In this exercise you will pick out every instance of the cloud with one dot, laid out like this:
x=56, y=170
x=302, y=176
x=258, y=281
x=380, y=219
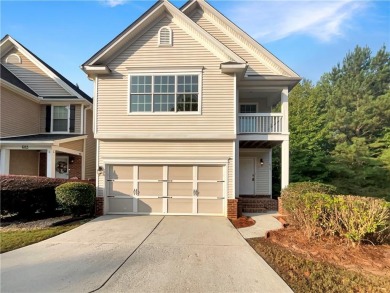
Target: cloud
x=269, y=21
x=113, y=3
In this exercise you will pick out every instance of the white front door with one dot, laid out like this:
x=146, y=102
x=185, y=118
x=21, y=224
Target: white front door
x=62, y=167
x=247, y=176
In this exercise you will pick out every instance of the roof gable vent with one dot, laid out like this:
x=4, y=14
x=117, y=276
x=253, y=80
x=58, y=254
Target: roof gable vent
x=165, y=36
x=13, y=59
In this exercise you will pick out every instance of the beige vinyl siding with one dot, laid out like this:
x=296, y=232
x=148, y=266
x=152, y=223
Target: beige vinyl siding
x=173, y=150
x=77, y=127
x=24, y=162
x=254, y=65
x=19, y=115
x=262, y=173
x=217, y=93
x=33, y=76
x=76, y=145
x=90, y=148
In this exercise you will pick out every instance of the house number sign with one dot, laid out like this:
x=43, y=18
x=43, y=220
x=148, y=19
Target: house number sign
x=25, y=147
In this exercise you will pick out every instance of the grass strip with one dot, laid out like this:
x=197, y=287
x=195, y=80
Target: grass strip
x=11, y=240
x=306, y=275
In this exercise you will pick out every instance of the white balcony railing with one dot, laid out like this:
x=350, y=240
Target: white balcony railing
x=260, y=123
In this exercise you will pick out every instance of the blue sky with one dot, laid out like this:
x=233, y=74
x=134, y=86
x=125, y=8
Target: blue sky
x=309, y=36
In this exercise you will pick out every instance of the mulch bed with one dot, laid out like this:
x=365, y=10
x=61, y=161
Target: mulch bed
x=243, y=222
x=365, y=258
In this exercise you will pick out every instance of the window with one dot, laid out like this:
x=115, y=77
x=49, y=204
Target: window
x=13, y=59
x=248, y=108
x=60, y=118
x=164, y=93
x=165, y=36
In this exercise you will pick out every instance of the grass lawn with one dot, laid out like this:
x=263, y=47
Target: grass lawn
x=308, y=275
x=11, y=240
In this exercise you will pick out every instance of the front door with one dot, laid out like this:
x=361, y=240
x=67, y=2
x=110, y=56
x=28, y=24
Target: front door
x=247, y=176
x=62, y=167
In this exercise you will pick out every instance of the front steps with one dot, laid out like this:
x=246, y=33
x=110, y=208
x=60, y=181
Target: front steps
x=256, y=205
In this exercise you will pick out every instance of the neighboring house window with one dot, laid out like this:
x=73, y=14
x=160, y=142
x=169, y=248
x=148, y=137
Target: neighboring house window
x=164, y=93
x=60, y=118
x=13, y=59
x=165, y=36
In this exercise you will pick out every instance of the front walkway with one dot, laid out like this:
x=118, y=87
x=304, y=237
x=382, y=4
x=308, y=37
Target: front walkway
x=141, y=254
x=264, y=222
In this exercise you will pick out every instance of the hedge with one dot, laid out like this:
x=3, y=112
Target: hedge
x=351, y=217
x=76, y=197
x=25, y=195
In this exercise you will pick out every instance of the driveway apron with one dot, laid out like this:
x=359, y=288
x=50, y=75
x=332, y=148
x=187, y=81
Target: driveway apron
x=142, y=254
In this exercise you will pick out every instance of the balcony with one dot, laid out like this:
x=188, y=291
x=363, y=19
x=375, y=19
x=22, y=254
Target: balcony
x=260, y=123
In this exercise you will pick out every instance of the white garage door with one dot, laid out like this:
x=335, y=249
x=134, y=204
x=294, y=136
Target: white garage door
x=166, y=189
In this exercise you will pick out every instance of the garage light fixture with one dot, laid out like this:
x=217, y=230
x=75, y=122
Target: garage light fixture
x=261, y=162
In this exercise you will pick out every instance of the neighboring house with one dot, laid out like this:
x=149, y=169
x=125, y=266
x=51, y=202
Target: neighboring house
x=46, y=121
x=183, y=114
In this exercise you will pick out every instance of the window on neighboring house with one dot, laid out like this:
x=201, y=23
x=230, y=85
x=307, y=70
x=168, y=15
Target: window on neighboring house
x=164, y=93
x=60, y=118
x=165, y=36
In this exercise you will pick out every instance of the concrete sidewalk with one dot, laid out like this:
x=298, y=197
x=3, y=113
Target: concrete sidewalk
x=141, y=254
x=264, y=222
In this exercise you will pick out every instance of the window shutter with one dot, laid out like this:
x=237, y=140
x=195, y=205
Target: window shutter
x=72, y=118
x=48, y=118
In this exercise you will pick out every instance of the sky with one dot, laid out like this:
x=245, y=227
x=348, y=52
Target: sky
x=310, y=37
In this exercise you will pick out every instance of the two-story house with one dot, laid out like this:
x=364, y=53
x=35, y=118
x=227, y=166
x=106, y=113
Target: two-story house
x=183, y=114
x=46, y=121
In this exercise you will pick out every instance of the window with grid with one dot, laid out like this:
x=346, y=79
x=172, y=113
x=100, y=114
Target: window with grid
x=164, y=93
x=60, y=118
x=248, y=108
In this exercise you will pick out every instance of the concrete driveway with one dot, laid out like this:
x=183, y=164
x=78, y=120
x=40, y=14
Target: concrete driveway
x=141, y=254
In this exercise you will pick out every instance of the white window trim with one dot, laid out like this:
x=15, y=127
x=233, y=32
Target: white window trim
x=165, y=72
x=13, y=54
x=170, y=37
x=52, y=119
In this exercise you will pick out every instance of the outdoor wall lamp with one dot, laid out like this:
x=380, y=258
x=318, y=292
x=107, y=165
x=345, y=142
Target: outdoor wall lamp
x=261, y=162
x=71, y=160
x=100, y=170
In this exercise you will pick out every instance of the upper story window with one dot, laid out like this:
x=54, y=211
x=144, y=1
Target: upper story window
x=165, y=36
x=164, y=93
x=60, y=118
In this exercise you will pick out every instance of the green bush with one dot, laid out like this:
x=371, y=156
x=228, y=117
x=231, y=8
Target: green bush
x=352, y=217
x=77, y=197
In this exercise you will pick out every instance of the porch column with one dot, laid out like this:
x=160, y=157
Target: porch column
x=284, y=109
x=237, y=168
x=51, y=163
x=285, y=163
x=4, y=161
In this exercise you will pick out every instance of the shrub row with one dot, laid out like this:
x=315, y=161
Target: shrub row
x=76, y=197
x=316, y=211
x=25, y=195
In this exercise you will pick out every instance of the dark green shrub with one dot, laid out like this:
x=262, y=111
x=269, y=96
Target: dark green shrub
x=305, y=187
x=77, y=197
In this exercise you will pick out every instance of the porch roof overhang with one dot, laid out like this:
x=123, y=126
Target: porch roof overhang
x=40, y=140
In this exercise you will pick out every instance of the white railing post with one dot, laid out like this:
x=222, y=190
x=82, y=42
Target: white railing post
x=260, y=123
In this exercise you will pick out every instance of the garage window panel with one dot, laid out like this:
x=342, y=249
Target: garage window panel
x=120, y=188
x=121, y=172
x=210, y=189
x=180, y=173
x=150, y=188
x=180, y=189
x=150, y=172
x=210, y=173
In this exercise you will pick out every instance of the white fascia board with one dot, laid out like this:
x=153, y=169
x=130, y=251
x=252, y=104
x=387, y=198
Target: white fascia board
x=166, y=136
x=9, y=143
x=19, y=91
x=63, y=101
x=96, y=69
x=175, y=69
x=233, y=68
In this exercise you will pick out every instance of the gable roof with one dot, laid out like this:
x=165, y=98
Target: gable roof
x=55, y=75
x=251, y=45
x=8, y=76
x=153, y=14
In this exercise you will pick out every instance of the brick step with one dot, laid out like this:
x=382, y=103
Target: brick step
x=254, y=210
x=253, y=205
